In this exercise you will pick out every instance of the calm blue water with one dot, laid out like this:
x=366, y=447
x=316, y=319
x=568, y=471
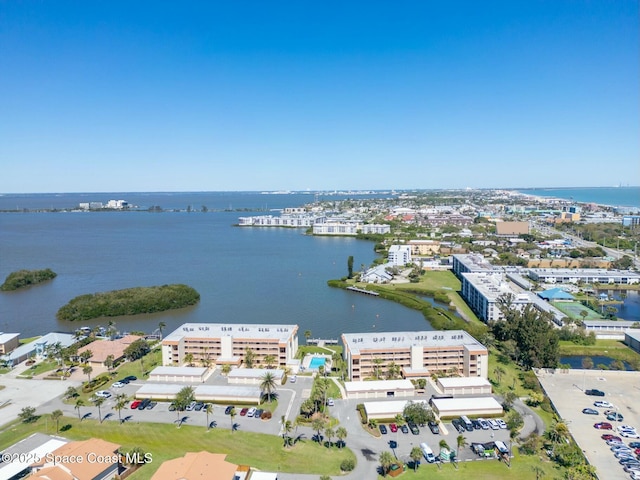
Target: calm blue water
x=317, y=362
x=630, y=309
x=576, y=361
x=614, y=196
x=244, y=275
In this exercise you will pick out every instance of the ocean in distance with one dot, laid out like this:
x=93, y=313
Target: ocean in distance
x=244, y=275
x=612, y=196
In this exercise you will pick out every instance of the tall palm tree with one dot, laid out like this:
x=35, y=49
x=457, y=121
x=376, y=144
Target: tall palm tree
x=226, y=369
x=268, y=384
x=79, y=403
x=341, y=433
x=329, y=432
x=287, y=428
x=55, y=416
x=386, y=460
x=416, y=456
x=318, y=424
x=188, y=358
x=208, y=409
x=307, y=334
x=87, y=369
x=377, y=369
x=269, y=360
x=161, y=327
x=443, y=445
x=232, y=415
x=121, y=402
x=462, y=442
x=98, y=401
x=498, y=372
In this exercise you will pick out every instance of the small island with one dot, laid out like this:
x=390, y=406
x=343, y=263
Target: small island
x=129, y=301
x=26, y=278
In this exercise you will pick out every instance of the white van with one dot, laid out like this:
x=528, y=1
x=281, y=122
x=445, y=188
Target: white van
x=427, y=452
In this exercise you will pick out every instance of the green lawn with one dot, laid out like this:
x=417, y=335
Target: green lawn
x=41, y=367
x=521, y=468
x=509, y=380
x=165, y=441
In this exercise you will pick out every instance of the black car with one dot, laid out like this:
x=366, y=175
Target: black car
x=383, y=429
x=404, y=429
x=227, y=411
x=476, y=424
x=130, y=378
x=458, y=425
x=433, y=426
x=151, y=405
x=393, y=444
x=414, y=428
x=144, y=404
x=594, y=392
x=123, y=380
x=198, y=406
x=258, y=413
x=172, y=407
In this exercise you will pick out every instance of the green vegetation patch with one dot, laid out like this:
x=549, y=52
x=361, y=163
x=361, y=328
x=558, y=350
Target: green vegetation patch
x=26, y=278
x=130, y=301
x=165, y=441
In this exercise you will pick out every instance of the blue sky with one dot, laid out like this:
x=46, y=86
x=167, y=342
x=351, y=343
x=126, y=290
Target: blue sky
x=199, y=96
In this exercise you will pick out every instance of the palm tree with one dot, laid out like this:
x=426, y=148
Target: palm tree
x=329, y=432
x=462, y=442
x=558, y=432
x=377, y=369
x=307, y=334
x=416, y=455
x=317, y=424
x=121, y=402
x=98, y=401
x=111, y=329
x=208, y=409
x=71, y=392
x=249, y=357
x=269, y=360
x=268, y=384
x=161, y=327
x=79, y=403
x=225, y=369
x=87, y=369
x=386, y=460
x=443, y=445
x=287, y=428
x=55, y=416
x=341, y=433
x=498, y=372
x=183, y=398
x=188, y=358
x=108, y=362
x=393, y=370
x=232, y=415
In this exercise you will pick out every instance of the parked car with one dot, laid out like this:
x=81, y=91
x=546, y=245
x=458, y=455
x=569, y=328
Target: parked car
x=393, y=427
x=330, y=402
x=485, y=425
x=191, y=406
x=501, y=423
x=590, y=411
x=603, y=426
x=144, y=404
x=634, y=444
x=595, y=392
x=629, y=434
x=457, y=424
x=615, y=417
x=199, y=406
x=476, y=424
x=227, y=411
x=393, y=444
x=414, y=428
x=135, y=404
x=609, y=436
x=118, y=384
x=602, y=404
x=131, y=378
x=258, y=413
x=244, y=411
x=383, y=429
x=293, y=379
x=151, y=405
x=252, y=411
x=103, y=394
x=433, y=426
x=494, y=424
x=404, y=429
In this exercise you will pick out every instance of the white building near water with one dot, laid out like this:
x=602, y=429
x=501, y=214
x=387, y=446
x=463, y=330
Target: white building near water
x=399, y=255
x=380, y=389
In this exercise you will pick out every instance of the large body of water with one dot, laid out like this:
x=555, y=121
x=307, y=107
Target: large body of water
x=614, y=196
x=244, y=275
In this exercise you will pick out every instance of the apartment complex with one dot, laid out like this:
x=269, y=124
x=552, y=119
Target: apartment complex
x=471, y=262
x=417, y=354
x=481, y=291
x=399, y=255
x=220, y=343
x=584, y=275
x=424, y=247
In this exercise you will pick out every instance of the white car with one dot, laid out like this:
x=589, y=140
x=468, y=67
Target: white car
x=293, y=379
x=501, y=423
x=103, y=394
x=603, y=404
x=629, y=434
x=330, y=402
x=117, y=385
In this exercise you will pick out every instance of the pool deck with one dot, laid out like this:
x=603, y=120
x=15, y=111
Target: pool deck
x=306, y=361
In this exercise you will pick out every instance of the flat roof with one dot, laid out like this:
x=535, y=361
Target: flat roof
x=5, y=337
x=633, y=334
x=465, y=403
x=35, y=446
x=391, y=406
x=492, y=285
x=403, y=340
x=452, y=382
x=254, y=372
x=473, y=262
x=180, y=371
x=584, y=272
x=378, y=385
x=246, y=330
x=221, y=391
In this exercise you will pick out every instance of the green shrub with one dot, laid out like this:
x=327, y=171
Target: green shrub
x=348, y=465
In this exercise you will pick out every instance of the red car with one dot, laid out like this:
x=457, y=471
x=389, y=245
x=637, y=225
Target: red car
x=393, y=427
x=135, y=404
x=608, y=436
x=603, y=426
x=243, y=412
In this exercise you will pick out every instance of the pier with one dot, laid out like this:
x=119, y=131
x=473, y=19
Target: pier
x=361, y=290
x=320, y=342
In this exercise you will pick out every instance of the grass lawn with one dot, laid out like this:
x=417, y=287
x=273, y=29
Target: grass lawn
x=509, y=380
x=521, y=468
x=609, y=348
x=41, y=367
x=165, y=441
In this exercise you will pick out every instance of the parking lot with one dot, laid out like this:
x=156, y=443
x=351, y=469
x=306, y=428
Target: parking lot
x=566, y=391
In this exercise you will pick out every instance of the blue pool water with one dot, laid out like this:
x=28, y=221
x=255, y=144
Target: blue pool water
x=317, y=362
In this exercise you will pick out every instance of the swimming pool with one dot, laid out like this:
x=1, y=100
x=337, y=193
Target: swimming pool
x=317, y=362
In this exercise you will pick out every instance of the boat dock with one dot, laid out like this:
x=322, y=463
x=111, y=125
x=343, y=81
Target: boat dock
x=361, y=290
x=322, y=341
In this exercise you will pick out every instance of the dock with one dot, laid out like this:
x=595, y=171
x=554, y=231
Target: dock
x=322, y=341
x=361, y=290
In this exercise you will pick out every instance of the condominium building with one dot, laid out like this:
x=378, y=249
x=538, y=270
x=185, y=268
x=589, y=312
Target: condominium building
x=471, y=262
x=584, y=275
x=220, y=343
x=417, y=354
x=399, y=255
x=424, y=247
x=481, y=291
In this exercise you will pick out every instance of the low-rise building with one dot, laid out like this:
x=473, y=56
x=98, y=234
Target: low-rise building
x=424, y=247
x=584, y=275
x=399, y=255
x=377, y=274
x=254, y=376
x=470, y=406
x=482, y=291
x=511, y=229
x=37, y=349
x=414, y=354
x=380, y=389
x=464, y=386
x=102, y=349
x=221, y=343
x=9, y=342
x=179, y=374
x=200, y=465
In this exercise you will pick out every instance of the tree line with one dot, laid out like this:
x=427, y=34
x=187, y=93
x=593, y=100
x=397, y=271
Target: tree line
x=129, y=301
